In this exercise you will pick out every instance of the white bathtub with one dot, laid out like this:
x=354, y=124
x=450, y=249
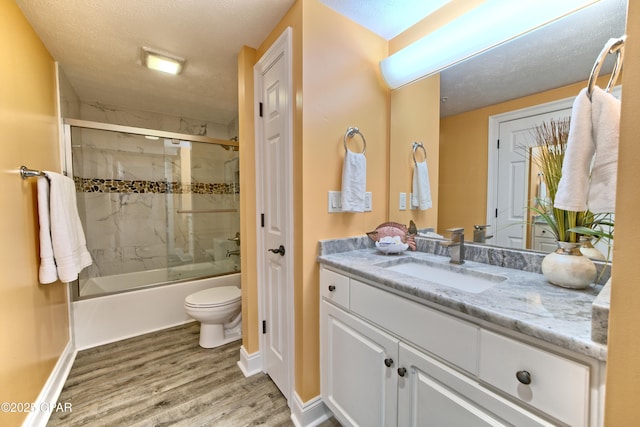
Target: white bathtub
x=114, y=317
x=139, y=279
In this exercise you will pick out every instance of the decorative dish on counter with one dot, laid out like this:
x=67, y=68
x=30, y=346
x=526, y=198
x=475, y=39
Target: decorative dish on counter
x=391, y=245
x=393, y=229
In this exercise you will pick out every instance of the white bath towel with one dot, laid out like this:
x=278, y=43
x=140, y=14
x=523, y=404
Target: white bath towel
x=605, y=113
x=47, y=272
x=573, y=187
x=354, y=182
x=67, y=239
x=421, y=191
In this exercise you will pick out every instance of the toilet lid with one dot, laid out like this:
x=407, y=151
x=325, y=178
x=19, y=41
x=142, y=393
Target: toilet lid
x=213, y=297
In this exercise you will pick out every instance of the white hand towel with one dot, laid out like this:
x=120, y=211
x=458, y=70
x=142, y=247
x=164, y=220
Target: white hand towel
x=605, y=112
x=47, y=272
x=421, y=196
x=354, y=182
x=67, y=236
x=573, y=187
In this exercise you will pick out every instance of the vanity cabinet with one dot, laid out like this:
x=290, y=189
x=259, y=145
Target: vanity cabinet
x=387, y=360
x=542, y=238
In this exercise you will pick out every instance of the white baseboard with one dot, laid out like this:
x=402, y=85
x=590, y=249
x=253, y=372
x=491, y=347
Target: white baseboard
x=309, y=414
x=47, y=401
x=249, y=364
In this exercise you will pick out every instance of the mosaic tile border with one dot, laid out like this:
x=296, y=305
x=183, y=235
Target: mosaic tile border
x=99, y=185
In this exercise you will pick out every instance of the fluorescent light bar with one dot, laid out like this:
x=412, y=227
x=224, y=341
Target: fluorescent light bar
x=162, y=61
x=492, y=23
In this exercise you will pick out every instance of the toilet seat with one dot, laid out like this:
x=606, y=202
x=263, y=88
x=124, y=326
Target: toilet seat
x=214, y=297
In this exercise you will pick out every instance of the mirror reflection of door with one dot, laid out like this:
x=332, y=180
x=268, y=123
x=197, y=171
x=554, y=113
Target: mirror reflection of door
x=514, y=167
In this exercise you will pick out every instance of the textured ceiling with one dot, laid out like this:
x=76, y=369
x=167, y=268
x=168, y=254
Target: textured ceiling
x=97, y=44
x=556, y=55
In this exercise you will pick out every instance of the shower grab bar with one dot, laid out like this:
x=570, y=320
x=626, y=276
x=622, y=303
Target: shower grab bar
x=192, y=211
x=29, y=173
x=613, y=45
x=417, y=145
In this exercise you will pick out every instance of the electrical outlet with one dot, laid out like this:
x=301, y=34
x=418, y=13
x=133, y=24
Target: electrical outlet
x=403, y=201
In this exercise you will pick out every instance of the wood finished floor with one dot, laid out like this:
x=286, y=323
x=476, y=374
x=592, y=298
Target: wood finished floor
x=166, y=379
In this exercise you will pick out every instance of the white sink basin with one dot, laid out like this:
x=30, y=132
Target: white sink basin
x=464, y=280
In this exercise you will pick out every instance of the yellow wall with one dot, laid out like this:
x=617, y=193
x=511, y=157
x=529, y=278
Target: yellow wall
x=415, y=116
x=249, y=281
x=33, y=317
x=623, y=370
x=336, y=75
x=341, y=87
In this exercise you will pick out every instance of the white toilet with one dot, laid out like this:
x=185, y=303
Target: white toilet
x=218, y=311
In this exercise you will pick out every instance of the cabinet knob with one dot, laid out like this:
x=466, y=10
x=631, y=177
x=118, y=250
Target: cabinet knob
x=388, y=362
x=524, y=377
x=402, y=372
x=332, y=288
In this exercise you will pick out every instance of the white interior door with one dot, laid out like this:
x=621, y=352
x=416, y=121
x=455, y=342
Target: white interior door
x=511, y=206
x=275, y=261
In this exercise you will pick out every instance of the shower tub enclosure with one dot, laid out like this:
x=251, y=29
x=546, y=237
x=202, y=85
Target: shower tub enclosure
x=158, y=209
x=153, y=201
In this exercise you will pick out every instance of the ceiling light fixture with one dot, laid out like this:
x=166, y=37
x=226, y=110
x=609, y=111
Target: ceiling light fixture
x=492, y=23
x=161, y=61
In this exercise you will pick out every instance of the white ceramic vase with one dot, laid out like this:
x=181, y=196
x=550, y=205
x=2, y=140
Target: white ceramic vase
x=568, y=268
x=589, y=251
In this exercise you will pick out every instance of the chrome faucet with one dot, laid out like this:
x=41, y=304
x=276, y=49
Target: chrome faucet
x=456, y=245
x=480, y=233
x=236, y=239
x=236, y=251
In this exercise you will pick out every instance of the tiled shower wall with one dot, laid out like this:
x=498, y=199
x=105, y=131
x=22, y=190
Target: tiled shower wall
x=130, y=190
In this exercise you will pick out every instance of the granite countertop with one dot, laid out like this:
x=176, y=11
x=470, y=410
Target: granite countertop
x=524, y=302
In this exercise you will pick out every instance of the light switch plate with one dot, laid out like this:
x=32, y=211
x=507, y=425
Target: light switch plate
x=334, y=201
x=368, y=201
x=403, y=202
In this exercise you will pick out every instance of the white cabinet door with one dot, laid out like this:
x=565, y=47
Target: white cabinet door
x=357, y=385
x=433, y=394
x=426, y=396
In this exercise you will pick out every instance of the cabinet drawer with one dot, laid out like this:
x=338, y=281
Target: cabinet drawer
x=540, y=230
x=334, y=287
x=445, y=336
x=558, y=386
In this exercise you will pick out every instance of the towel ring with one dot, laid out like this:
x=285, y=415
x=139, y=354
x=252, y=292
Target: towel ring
x=350, y=133
x=613, y=45
x=417, y=145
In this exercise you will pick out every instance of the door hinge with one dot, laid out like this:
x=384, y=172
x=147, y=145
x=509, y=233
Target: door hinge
x=260, y=109
x=498, y=140
x=262, y=220
x=264, y=326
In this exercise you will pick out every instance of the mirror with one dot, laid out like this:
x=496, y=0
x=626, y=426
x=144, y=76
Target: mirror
x=546, y=65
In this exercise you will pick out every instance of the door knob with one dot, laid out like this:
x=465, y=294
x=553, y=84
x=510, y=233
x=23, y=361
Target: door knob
x=402, y=372
x=279, y=250
x=388, y=362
